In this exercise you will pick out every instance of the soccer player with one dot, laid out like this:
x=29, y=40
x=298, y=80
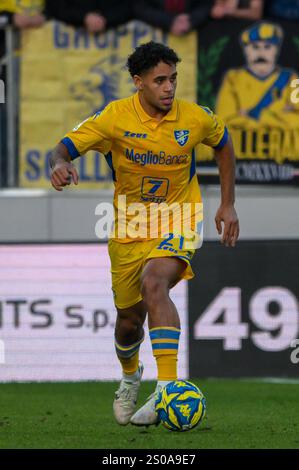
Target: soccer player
x=148, y=140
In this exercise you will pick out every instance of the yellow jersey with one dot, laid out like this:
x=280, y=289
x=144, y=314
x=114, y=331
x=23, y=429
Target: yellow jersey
x=152, y=162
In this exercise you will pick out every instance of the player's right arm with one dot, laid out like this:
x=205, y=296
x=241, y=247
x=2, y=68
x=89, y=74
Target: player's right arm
x=95, y=133
x=62, y=169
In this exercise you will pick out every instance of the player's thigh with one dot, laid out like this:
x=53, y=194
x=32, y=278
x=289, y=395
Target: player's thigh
x=126, y=266
x=163, y=272
x=169, y=260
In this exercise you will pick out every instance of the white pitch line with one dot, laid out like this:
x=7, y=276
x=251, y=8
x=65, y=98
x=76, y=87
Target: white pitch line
x=273, y=380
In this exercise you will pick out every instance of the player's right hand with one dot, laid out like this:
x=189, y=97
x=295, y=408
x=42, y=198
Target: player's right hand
x=62, y=175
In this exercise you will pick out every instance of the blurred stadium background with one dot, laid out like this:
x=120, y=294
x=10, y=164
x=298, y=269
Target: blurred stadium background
x=240, y=315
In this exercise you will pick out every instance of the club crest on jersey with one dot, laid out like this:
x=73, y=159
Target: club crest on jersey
x=181, y=137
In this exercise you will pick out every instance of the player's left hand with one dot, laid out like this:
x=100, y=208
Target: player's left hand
x=227, y=215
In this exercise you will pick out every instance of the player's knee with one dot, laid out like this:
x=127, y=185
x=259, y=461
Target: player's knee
x=153, y=288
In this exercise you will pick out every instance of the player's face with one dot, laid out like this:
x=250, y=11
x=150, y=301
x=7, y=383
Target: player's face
x=157, y=87
x=261, y=57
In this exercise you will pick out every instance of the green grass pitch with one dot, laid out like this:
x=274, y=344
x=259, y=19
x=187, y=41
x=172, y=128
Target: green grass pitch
x=240, y=414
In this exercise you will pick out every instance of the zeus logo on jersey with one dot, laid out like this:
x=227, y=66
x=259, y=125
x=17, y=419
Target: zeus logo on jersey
x=181, y=137
x=135, y=135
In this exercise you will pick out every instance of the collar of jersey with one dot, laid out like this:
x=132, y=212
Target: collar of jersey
x=172, y=115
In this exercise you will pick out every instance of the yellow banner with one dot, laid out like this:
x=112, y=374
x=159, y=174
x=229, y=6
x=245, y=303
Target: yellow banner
x=67, y=75
x=26, y=7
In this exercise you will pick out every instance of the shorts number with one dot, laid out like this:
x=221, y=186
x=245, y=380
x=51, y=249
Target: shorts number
x=167, y=242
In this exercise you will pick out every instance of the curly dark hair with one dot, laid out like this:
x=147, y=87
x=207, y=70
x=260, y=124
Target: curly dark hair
x=149, y=55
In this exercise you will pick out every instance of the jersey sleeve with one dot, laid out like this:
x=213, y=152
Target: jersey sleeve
x=216, y=134
x=95, y=133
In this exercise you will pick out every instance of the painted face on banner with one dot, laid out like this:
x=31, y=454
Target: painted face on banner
x=261, y=57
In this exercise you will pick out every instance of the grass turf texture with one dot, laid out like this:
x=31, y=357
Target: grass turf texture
x=79, y=415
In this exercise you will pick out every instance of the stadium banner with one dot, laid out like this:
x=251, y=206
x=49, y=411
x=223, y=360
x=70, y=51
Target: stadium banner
x=26, y=7
x=57, y=315
x=248, y=74
x=68, y=75
x=244, y=310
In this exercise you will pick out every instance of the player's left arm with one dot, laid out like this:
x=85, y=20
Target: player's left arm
x=217, y=137
x=226, y=218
